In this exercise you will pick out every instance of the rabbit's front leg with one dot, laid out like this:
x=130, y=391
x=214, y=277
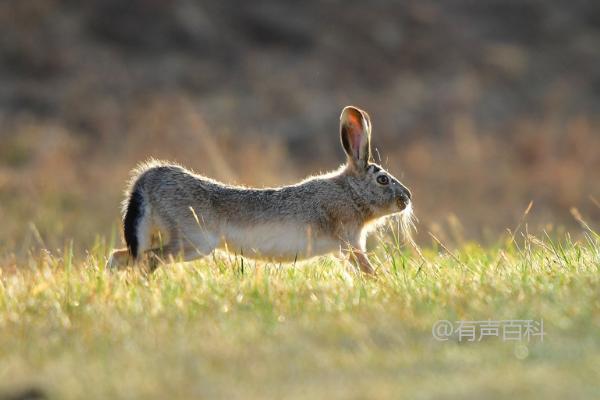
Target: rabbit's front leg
x=363, y=261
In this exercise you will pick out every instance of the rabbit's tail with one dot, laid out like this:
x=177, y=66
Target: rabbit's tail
x=134, y=212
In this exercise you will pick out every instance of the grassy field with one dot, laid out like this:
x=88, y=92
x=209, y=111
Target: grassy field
x=223, y=328
x=478, y=110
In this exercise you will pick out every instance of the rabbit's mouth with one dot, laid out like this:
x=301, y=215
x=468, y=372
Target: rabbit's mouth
x=402, y=203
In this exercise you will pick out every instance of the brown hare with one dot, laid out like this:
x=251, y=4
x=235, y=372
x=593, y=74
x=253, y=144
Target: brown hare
x=192, y=215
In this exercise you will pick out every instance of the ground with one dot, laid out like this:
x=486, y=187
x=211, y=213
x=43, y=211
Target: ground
x=227, y=328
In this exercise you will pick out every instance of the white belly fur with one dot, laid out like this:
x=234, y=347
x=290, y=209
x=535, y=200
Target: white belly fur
x=281, y=242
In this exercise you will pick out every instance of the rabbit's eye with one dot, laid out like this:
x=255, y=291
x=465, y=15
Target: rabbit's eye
x=383, y=180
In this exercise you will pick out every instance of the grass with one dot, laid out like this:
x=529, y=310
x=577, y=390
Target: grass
x=223, y=328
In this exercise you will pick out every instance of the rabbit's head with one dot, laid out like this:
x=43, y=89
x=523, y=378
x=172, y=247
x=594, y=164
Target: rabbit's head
x=377, y=189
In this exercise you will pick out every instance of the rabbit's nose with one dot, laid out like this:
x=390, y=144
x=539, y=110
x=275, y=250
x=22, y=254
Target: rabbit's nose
x=405, y=196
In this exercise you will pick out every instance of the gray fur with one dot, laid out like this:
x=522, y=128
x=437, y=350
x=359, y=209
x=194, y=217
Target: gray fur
x=192, y=214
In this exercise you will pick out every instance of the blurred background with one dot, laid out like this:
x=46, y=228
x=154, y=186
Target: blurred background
x=479, y=107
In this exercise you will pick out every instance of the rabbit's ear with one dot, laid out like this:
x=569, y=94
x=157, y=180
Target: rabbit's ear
x=355, y=133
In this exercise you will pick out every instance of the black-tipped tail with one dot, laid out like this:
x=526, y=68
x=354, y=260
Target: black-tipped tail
x=131, y=221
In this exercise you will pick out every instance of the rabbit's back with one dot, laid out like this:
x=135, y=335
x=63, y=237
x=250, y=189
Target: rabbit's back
x=301, y=214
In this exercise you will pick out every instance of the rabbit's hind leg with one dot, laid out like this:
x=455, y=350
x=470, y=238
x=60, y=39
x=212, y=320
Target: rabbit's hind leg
x=118, y=259
x=180, y=248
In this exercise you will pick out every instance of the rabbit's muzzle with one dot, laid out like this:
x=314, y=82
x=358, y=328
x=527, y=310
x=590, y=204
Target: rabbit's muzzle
x=403, y=198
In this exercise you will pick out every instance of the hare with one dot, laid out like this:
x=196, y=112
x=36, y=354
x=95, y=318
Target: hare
x=192, y=215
